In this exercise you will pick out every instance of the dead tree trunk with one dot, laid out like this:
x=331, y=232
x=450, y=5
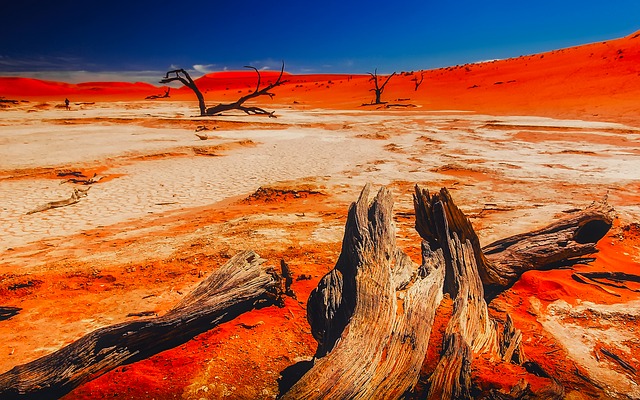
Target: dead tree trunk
x=378, y=305
x=184, y=77
x=562, y=243
x=378, y=90
x=500, y=264
x=238, y=286
x=372, y=314
x=417, y=81
x=470, y=330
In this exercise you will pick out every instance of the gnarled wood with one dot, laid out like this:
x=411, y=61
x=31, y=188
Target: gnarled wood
x=238, y=104
x=183, y=77
x=561, y=243
x=372, y=314
x=238, y=286
x=379, y=307
x=500, y=264
x=470, y=329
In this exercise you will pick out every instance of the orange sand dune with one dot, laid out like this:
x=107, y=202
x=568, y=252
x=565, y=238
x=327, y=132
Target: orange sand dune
x=29, y=88
x=594, y=81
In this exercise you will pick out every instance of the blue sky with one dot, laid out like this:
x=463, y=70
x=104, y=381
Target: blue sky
x=135, y=40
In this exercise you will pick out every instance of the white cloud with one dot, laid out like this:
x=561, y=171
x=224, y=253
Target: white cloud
x=204, y=68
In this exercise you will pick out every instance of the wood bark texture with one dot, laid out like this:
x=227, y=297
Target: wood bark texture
x=564, y=242
x=501, y=263
x=372, y=314
x=238, y=286
x=470, y=329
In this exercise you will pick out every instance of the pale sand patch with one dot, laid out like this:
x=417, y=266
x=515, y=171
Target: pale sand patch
x=533, y=180
x=566, y=324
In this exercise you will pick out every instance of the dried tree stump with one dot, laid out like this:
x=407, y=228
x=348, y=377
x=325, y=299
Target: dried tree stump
x=372, y=314
x=470, y=329
x=501, y=263
x=236, y=287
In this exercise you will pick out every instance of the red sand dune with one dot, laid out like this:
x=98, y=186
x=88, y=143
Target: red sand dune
x=18, y=88
x=594, y=81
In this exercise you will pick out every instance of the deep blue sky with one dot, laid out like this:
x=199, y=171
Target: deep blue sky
x=59, y=38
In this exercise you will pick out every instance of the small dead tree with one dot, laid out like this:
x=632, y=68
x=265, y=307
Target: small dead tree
x=182, y=76
x=378, y=89
x=417, y=81
x=159, y=96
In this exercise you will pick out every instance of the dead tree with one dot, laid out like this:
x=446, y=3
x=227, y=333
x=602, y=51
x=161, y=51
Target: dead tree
x=238, y=286
x=378, y=89
x=372, y=314
x=377, y=304
x=563, y=243
x=238, y=104
x=500, y=264
x=183, y=76
x=417, y=81
x=159, y=96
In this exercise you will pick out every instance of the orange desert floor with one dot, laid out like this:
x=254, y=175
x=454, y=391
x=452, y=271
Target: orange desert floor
x=517, y=142
x=167, y=208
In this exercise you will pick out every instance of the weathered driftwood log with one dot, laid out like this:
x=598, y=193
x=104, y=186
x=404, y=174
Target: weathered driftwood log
x=500, y=264
x=76, y=195
x=238, y=286
x=379, y=307
x=562, y=243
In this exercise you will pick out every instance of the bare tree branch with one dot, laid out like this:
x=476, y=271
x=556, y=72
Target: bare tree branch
x=237, y=105
x=418, y=82
x=188, y=82
x=378, y=89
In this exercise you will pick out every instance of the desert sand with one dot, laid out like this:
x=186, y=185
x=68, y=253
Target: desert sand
x=559, y=131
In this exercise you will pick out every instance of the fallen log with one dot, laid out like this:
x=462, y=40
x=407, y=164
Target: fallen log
x=236, y=287
x=615, y=279
x=501, y=263
x=379, y=307
x=563, y=243
x=76, y=195
x=7, y=312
